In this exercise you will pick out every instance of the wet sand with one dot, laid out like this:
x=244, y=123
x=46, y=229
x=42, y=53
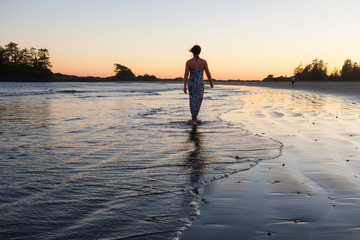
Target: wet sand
x=337, y=88
x=313, y=190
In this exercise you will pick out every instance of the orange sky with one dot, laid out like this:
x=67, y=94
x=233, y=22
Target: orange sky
x=240, y=39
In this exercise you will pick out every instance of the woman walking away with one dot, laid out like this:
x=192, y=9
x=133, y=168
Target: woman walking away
x=196, y=67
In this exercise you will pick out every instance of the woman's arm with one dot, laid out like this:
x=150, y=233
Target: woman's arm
x=186, y=75
x=208, y=74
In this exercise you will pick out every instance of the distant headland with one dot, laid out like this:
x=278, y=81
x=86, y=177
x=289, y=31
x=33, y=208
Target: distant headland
x=33, y=64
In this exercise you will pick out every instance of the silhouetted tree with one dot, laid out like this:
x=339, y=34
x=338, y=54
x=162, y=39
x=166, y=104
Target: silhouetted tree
x=16, y=63
x=350, y=71
x=146, y=77
x=298, y=70
x=2, y=57
x=11, y=53
x=269, y=78
x=33, y=57
x=43, y=58
x=346, y=71
x=316, y=71
x=123, y=73
x=335, y=75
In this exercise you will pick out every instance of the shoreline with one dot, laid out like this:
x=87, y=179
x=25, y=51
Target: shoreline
x=312, y=190
x=328, y=87
x=348, y=88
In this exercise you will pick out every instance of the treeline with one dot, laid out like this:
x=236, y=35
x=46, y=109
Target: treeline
x=123, y=73
x=33, y=64
x=24, y=64
x=317, y=71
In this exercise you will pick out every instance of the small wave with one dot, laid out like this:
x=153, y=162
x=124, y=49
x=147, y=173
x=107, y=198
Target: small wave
x=24, y=93
x=100, y=91
x=72, y=119
x=66, y=91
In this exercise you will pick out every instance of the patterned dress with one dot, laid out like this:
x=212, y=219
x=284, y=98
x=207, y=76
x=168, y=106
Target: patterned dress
x=196, y=91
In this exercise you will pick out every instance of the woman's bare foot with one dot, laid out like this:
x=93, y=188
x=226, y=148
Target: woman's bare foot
x=194, y=122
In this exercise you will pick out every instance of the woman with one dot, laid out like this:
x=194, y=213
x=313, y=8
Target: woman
x=196, y=67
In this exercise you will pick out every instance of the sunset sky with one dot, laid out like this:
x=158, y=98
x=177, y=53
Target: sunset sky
x=240, y=39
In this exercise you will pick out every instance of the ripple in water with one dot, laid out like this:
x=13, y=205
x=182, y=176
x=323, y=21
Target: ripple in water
x=123, y=167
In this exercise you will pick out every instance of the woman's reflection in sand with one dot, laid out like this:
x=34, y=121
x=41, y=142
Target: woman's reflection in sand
x=195, y=161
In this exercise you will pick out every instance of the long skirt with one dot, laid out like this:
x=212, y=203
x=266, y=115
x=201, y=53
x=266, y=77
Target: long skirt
x=196, y=91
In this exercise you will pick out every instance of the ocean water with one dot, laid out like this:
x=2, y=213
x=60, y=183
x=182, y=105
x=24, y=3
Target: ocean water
x=114, y=160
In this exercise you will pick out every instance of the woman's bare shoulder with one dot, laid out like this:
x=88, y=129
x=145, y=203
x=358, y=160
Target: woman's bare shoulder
x=200, y=63
x=202, y=60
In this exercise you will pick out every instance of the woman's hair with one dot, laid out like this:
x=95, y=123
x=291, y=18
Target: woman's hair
x=196, y=49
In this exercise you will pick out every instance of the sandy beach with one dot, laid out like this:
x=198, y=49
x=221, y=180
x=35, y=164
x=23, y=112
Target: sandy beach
x=123, y=161
x=312, y=191
x=336, y=88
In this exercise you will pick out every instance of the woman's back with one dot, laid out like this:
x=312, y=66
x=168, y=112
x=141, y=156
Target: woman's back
x=196, y=63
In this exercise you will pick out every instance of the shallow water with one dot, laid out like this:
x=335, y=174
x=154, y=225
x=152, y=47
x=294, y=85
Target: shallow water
x=114, y=160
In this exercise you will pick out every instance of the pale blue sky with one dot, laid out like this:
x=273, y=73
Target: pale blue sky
x=240, y=39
